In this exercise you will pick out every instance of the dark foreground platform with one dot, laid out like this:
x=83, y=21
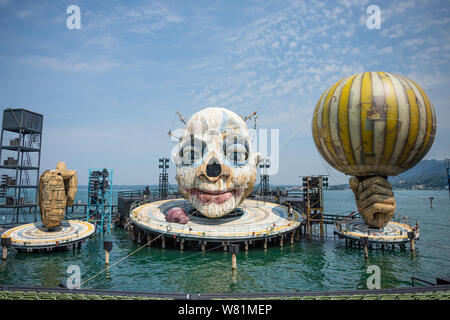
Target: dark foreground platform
x=438, y=292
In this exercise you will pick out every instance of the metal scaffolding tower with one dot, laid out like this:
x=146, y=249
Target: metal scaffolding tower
x=265, y=186
x=313, y=198
x=20, y=156
x=163, y=178
x=100, y=199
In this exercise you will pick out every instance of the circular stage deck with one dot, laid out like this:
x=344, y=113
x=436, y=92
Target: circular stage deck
x=259, y=220
x=394, y=232
x=35, y=236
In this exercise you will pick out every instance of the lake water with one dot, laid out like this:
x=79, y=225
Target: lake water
x=305, y=266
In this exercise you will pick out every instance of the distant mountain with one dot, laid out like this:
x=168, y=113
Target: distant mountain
x=425, y=175
x=422, y=169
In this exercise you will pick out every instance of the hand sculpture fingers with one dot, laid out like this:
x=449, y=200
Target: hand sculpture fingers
x=52, y=199
x=378, y=214
x=374, y=199
x=354, y=183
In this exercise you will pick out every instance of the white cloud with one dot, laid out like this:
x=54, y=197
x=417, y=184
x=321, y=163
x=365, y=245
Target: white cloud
x=386, y=50
x=143, y=19
x=25, y=14
x=68, y=64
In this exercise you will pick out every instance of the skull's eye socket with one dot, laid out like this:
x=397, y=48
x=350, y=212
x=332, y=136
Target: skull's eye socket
x=236, y=152
x=192, y=152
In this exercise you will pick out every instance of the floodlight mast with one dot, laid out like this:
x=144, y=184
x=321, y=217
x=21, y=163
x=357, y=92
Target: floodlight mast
x=181, y=117
x=249, y=117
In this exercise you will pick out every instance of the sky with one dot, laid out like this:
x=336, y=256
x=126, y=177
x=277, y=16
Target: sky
x=109, y=91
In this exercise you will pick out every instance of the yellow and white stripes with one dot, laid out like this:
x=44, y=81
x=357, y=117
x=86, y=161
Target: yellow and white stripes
x=374, y=123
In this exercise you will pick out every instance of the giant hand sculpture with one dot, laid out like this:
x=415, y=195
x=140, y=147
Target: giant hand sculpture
x=57, y=189
x=372, y=125
x=374, y=199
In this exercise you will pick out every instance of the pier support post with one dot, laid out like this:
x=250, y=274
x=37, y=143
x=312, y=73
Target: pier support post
x=163, y=242
x=365, y=243
x=265, y=243
x=281, y=241
x=234, y=249
x=246, y=246
x=6, y=243
x=182, y=244
x=233, y=262
x=411, y=237
x=203, y=245
x=5, y=253
x=139, y=236
x=224, y=246
x=107, y=246
x=149, y=239
x=292, y=237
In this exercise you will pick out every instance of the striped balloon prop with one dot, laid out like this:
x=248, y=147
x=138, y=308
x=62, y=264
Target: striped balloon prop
x=374, y=123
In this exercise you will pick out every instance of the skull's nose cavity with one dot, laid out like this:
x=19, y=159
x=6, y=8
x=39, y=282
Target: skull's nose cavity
x=213, y=169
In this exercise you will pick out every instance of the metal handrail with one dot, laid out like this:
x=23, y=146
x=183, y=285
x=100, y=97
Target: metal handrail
x=421, y=280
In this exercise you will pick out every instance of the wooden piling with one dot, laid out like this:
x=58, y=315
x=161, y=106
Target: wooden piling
x=233, y=262
x=366, y=251
x=246, y=246
x=224, y=246
x=265, y=243
x=5, y=253
x=149, y=239
x=413, y=245
x=182, y=244
x=163, y=242
x=292, y=238
x=203, y=245
x=106, y=257
x=281, y=241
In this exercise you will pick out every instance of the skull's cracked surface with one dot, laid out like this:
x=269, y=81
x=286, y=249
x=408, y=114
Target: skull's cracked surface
x=216, y=167
x=57, y=189
x=374, y=200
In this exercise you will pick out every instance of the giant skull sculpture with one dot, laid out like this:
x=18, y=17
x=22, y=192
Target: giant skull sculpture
x=216, y=168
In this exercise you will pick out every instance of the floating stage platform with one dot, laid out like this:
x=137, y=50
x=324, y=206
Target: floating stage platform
x=393, y=233
x=357, y=232
x=252, y=221
x=36, y=237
